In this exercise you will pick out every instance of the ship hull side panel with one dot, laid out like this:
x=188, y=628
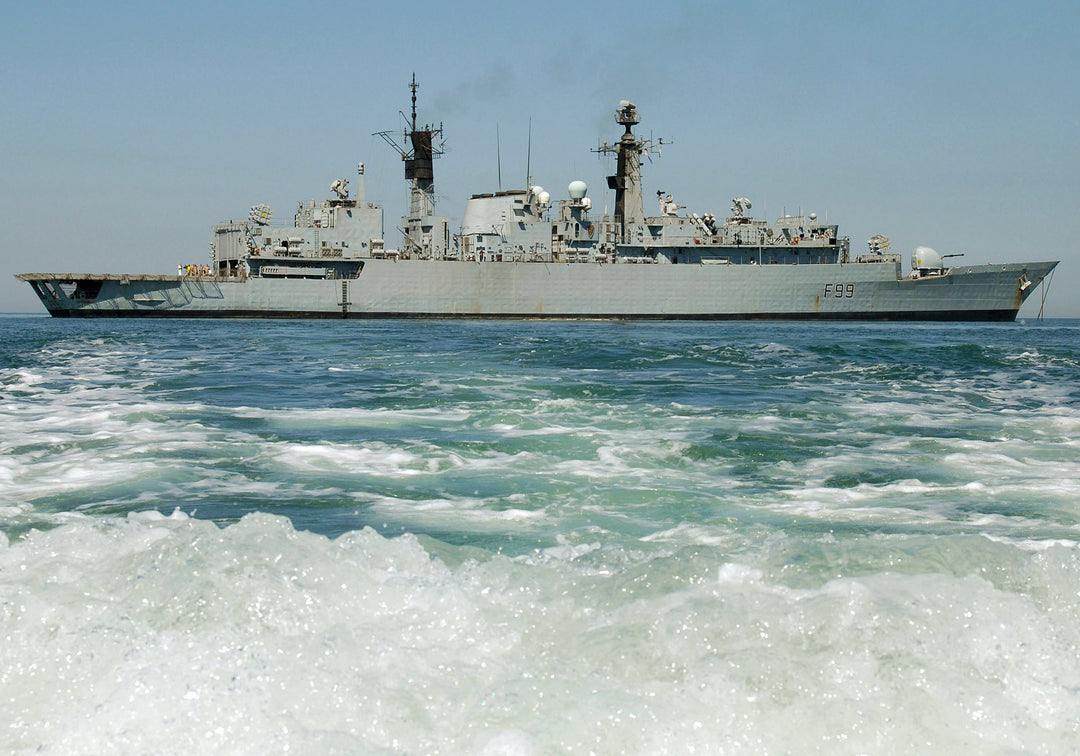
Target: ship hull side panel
x=430, y=288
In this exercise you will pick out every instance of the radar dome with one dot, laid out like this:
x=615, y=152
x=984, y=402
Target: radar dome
x=543, y=197
x=925, y=258
x=577, y=189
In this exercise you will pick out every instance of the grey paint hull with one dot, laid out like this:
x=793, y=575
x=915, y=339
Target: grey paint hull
x=453, y=289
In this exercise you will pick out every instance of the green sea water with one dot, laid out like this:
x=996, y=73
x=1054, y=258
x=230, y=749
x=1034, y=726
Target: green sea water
x=536, y=537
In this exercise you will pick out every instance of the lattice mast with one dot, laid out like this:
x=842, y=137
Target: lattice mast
x=422, y=146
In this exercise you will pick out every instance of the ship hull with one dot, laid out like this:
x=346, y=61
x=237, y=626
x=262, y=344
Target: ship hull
x=453, y=289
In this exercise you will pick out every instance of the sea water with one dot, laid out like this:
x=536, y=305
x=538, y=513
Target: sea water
x=441, y=537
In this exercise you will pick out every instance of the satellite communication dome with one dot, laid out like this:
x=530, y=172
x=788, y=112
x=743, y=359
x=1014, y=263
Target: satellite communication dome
x=577, y=189
x=925, y=258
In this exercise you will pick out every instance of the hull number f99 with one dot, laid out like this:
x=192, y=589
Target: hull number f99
x=840, y=290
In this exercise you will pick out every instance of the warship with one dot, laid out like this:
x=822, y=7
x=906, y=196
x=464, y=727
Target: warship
x=519, y=255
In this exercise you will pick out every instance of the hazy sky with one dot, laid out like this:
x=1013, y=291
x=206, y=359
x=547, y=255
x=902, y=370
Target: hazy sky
x=128, y=129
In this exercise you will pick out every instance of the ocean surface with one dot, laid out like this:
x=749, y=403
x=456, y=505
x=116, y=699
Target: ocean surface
x=443, y=537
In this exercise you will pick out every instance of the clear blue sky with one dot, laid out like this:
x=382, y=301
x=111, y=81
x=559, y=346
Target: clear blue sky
x=128, y=129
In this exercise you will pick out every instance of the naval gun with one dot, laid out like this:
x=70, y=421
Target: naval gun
x=926, y=261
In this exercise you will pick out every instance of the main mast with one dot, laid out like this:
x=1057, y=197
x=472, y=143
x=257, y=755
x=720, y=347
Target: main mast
x=424, y=233
x=419, y=168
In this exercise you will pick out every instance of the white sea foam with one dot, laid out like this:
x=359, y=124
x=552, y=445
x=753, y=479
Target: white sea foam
x=738, y=573
x=353, y=417
x=376, y=458
x=167, y=634
x=465, y=514
x=686, y=533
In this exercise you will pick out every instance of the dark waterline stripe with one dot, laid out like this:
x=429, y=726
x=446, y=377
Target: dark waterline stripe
x=892, y=315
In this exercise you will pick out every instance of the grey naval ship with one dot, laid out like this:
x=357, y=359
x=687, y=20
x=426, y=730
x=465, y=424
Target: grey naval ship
x=519, y=255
